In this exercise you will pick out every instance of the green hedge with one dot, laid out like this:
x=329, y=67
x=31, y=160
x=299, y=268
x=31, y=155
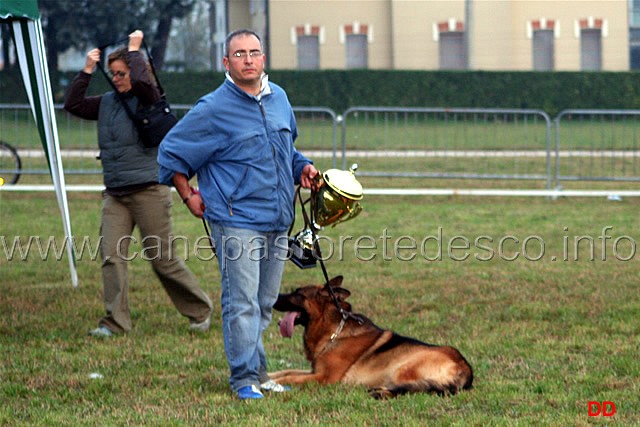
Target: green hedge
x=550, y=92
x=339, y=90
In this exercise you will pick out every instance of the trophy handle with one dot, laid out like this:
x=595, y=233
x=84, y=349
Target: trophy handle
x=352, y=214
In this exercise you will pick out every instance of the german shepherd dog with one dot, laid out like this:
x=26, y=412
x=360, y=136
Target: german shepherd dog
x=346, y=347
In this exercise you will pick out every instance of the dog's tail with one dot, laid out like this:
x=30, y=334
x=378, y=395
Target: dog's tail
x=468, y=384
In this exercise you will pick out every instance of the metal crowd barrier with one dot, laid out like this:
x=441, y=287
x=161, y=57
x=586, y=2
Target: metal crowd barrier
x=402, y=144
x=449, y=143
x=597, y=145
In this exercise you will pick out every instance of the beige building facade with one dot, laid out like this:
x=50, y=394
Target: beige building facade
x=559, y=35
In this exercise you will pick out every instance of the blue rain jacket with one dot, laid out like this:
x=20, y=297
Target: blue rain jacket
x=241, y=149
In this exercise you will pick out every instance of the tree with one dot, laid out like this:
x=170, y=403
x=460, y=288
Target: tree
x=82, y=24
x=190, y=39
x=5, y=33
x=57, y=27
x=167, y=10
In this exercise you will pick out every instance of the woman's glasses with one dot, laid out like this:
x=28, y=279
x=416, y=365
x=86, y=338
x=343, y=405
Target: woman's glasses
x=118, y=74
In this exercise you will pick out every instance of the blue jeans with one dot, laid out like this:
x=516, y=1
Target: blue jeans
x=251, y=265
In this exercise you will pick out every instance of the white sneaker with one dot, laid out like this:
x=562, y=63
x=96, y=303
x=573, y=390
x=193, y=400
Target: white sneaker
x=271, y=385
x=202, y=326
x=101, y=332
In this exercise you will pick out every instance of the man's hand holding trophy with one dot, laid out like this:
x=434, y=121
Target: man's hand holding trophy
x=335, y=199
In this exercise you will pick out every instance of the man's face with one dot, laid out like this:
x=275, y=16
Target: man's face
x=245, y=62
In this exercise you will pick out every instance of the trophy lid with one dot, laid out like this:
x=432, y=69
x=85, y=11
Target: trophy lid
x=344, y=182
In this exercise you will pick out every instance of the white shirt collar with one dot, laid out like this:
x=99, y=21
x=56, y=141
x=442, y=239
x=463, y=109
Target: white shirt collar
x=265, y=89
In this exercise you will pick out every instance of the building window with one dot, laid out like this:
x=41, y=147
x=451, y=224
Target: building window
x=542, y=33
x=451, y=45
x=591, y=50
x=634, y=35
x=634, y=16
x=543, y=50
x=308, y=52
x=591, y=31
x=308, y=39
x=356, y=38
x=357, y=51
x=634, y=48
x=451, y=51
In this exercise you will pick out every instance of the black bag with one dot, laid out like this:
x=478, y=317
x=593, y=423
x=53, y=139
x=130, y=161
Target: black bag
x=154, y=122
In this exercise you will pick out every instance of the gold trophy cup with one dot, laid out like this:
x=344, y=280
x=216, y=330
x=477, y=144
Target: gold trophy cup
x=336, y=200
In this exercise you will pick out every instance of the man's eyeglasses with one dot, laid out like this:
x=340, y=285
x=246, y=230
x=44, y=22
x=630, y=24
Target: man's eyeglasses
x=118, y=74
x=243, y=54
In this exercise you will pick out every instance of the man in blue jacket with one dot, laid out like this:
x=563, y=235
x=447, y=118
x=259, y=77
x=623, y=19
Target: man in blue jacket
x=239, y=139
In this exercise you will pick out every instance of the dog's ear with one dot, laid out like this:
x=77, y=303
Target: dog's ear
x=335, y=282
x=335, y=285
x=341, y=293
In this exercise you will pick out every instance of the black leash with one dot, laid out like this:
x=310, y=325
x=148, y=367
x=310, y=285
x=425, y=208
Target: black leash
x=317, y=253
x=122, y=40
x=206, y=230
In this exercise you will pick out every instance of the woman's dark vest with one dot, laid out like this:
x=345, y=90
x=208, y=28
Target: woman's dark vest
x=125, y=161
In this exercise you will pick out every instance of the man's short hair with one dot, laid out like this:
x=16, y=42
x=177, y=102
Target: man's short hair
x=237, y=33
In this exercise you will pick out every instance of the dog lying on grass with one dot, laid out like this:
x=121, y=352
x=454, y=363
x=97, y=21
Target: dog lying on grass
x=349, y=348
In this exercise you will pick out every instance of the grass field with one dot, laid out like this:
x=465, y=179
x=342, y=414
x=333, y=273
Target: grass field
x=547, y=325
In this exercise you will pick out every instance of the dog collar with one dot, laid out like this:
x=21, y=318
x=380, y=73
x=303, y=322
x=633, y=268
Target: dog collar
x=338, y=330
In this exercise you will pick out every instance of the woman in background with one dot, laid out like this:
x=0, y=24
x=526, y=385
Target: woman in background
x=133, y=195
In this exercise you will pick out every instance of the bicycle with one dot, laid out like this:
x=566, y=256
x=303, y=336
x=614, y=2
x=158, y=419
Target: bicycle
x=10, y=164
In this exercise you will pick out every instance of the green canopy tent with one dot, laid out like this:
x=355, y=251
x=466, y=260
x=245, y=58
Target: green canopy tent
x=26, y=28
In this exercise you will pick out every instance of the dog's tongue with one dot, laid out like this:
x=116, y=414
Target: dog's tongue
x=287, y=323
